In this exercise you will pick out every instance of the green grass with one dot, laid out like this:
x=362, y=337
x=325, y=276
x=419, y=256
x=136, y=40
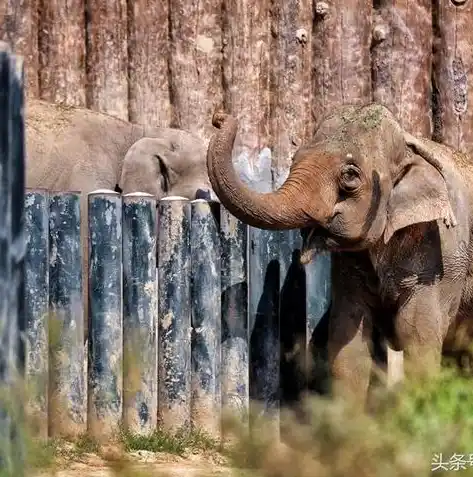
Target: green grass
x=163, y=441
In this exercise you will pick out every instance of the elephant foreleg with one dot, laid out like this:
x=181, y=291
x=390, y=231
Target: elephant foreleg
x=349, y=352
x=350, y=330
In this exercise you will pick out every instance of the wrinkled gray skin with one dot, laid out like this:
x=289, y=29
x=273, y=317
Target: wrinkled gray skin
x=74, y=149
x=396, y=211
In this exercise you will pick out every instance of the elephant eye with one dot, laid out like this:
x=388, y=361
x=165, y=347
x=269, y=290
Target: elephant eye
x=164, y=179
x=350, y=178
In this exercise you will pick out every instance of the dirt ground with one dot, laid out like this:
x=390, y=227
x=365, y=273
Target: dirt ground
x=149, y=463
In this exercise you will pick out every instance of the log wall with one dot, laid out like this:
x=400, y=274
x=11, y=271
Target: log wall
x=278, y=65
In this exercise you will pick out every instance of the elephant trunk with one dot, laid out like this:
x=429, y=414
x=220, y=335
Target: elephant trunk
x=277, y=210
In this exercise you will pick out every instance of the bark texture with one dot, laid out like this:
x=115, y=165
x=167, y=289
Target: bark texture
x=402, y=60
x=107, y=63
x=19, y=27
x=246, y=43
x=195, y=64
x=148, y=48
x=62, y=51
x=452, y=74
x=290, y=81
x=341, y=54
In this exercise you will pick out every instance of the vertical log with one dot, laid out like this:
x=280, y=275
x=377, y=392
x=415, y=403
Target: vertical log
x=140, y=397
x=318, y=297
x=5, y=264
x=341, y=54
x=293, y=317
x=206, y=317
x=105, y=377
x=37, y=305
x=148, y=52
x=402, y=60
x=318, y=289
x=263, y=304
x=12, y=253
x=107, y=62
x=291, y=50
x=195, y=64
x=19, y=27
x=235, y=345
x=62, y=51
x=174, y=314
x=246, y=32
x=17, y=257
x=67, y=405
x=453, y=69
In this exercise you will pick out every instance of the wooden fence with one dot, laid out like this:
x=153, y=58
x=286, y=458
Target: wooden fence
x=277, y=65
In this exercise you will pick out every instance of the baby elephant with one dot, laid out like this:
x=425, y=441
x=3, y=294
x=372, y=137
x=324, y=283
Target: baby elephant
x=75, y=149
x=81, y=150
x=395, y=211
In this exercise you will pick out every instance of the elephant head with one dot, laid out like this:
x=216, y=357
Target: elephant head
x=356, y=182
x=172, y=164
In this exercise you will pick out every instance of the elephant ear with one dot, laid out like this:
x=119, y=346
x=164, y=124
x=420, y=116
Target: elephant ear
x=419, y=195
x=145, y=168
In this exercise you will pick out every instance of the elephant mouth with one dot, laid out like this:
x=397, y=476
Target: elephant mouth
x=314, y=242
x=318, y=240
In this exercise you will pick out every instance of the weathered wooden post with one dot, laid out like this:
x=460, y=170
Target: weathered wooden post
x=105, y=377
x=318, y=297
x=293, y=316
x=67, y=394
x=206, y=317
x=235, y=344
x=37, y=305
x=174, y=314
x=264, y=321
x=5, y=269
x=139, y=313
x=12, y=254
x=263, y=300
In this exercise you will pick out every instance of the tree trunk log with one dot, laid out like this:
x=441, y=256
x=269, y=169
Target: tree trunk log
x=107, y=62
x=246, y=31
x=402, y=61
x=62, y=51
x=291, y=118
x=148, y=48
x=19, y=27
x=453, y=63
x=196, y=64
x=341, y=54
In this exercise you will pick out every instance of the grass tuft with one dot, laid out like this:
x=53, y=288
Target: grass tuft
x=163, y=441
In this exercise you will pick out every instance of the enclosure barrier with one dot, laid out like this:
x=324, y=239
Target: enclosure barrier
x=185, y=306
x=168, y=346
x=12, y=254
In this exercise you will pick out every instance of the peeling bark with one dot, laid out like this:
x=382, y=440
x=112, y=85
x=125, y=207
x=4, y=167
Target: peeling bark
x=291, y=118
x=148, y=62
x=341, y=54
x=402, y=60
x=107, y=68
x=196, y=64
x=62, y=51
x=246, y=31
x=19, y=27
x=453, y=67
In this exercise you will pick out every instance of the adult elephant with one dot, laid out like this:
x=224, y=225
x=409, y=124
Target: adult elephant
x=76, y=149
x=395, y=210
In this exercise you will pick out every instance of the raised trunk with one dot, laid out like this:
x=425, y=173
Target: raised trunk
x=276, y=210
